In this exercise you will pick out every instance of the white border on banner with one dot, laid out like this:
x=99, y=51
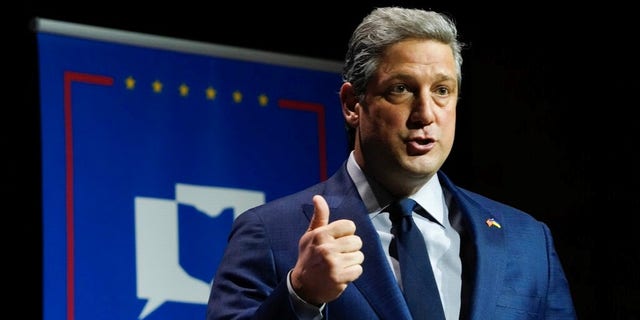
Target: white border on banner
x=183, y=45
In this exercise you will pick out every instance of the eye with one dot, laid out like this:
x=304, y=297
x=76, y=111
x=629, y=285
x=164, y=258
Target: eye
x=398, y=93
x=398, y=88
x=442, y=91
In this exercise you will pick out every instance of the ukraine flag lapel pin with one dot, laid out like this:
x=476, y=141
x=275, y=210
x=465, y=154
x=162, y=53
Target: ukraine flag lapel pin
x=493, y=223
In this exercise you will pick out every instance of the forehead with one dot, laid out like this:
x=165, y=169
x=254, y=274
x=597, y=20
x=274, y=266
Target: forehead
x=417, y=58
x=418, y=51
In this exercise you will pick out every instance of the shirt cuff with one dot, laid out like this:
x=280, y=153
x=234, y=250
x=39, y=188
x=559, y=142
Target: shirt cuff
x=303, y=309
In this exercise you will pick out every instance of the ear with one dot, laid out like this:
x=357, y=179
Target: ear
x=349, y=102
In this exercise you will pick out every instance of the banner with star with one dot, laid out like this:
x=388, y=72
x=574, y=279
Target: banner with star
x=151, y=146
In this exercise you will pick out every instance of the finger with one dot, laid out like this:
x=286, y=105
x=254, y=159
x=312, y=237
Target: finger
x=320, y=213
x=352, y=258
x=342, y=228
x=352, y=273
x=350, y=243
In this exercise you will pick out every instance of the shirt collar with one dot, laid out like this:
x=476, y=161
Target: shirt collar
x=430, y=196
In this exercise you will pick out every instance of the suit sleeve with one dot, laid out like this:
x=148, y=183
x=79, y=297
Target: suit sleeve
x=247, y=284
x=559, y=304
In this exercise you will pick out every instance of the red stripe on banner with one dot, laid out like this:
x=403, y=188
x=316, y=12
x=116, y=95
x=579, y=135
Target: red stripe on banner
x=322, y=139
x=69, y=78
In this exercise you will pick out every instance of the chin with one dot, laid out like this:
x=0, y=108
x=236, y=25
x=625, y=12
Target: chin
x=422, y=167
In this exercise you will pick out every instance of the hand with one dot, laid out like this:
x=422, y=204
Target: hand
x=329, y=257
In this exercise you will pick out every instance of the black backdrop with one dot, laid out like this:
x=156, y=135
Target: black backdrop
x=546, y=118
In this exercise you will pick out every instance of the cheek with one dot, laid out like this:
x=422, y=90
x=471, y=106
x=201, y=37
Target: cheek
x=389, y=118
x=378, y=128
x=448, y=124
x=449, y=119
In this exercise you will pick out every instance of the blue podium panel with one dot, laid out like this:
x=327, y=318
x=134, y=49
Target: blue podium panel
x=149, y=153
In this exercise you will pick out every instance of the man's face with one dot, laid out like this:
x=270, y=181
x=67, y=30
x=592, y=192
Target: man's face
x=406, y=123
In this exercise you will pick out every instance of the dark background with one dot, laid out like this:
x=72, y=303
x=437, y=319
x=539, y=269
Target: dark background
x=546, y=119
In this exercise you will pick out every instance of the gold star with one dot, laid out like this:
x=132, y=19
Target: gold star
x=130, y=83
x=237, y=96
x=210, y=93
x=157, y=86
x=263, y=100
x=184, y=90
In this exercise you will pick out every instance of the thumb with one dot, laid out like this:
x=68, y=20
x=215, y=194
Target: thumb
x=320, y=213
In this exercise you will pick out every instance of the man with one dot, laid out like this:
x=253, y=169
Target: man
x=326, y=252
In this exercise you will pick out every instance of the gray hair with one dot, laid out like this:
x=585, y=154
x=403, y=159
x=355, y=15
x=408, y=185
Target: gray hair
x=384, y=27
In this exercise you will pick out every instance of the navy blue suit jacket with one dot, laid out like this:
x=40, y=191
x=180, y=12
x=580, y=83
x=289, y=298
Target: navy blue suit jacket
x=512, y=272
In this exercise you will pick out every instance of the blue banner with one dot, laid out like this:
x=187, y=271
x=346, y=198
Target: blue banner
x=149, y=154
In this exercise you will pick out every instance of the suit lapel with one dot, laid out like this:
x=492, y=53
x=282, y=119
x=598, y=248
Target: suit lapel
x=377, y=284
x=489, y=244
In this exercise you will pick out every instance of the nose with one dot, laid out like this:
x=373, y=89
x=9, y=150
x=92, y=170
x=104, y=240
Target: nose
x=422, y=111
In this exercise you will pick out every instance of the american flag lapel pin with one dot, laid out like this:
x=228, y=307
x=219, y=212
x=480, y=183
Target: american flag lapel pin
x=493, y=223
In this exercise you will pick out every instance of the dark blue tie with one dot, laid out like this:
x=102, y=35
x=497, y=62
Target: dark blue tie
x=418, y=283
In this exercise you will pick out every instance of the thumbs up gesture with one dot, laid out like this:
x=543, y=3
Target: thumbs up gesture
x=329, y=257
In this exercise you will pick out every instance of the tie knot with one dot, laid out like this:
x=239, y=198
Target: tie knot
x=401, y=208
